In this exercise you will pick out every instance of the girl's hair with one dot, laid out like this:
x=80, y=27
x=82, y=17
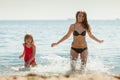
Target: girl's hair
x=85, y=22
x=27, y=36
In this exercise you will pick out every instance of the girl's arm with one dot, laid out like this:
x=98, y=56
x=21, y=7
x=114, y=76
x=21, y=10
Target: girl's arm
x=22, y=55
x=33, y=54
x=64, y=37
x=92, y=36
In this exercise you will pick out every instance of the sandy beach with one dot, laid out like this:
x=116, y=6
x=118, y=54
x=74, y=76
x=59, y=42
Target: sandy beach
x=98, y=76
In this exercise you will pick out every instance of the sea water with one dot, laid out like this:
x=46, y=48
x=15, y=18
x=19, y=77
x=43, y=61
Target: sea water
x=103, y=57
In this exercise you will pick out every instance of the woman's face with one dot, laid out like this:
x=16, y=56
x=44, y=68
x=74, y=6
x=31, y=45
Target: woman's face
x=80, y=17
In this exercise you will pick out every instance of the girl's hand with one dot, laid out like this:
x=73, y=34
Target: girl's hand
x=20, y=56
x=53, y=44
x=101, y=41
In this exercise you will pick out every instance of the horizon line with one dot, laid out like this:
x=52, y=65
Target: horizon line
x=49, y=19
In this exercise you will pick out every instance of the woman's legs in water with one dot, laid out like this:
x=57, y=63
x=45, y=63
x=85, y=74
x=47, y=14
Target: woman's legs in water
x=83, y=57
x=73, y=58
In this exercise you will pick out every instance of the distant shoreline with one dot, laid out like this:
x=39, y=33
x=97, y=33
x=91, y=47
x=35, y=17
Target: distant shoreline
x=69, y=19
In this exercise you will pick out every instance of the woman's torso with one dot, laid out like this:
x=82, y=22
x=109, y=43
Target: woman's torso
x=79, y=34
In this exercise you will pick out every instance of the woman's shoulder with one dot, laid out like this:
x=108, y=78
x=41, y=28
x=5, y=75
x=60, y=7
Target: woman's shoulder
x=72, y=26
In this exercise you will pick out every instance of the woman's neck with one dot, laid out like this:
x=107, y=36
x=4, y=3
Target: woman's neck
x=79, y=24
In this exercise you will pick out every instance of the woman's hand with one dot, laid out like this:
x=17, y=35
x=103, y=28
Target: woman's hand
x=53, y=44
x=101, y=41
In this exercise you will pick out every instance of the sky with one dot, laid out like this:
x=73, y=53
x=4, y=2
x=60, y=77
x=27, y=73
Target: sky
x=58, y=9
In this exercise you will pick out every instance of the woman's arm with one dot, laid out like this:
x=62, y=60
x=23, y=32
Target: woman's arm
x=71, y=28
x=92, y=36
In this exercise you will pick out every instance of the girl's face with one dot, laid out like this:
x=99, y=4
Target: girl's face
x=80, y=17
x=28, y=40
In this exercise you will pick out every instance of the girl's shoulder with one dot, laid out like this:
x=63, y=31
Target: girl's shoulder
x=24, y=44
x=33, y=45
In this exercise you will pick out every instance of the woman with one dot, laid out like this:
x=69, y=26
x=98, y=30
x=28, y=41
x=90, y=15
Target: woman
x=79, y=44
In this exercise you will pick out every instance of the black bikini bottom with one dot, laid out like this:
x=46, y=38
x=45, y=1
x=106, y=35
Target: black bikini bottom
x=79, y=50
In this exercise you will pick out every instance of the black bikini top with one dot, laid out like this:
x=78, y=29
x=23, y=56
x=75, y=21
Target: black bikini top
x=75, y=33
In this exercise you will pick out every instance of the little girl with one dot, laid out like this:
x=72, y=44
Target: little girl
x=29, y=51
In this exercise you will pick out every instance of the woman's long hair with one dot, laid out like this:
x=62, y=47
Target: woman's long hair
x=85, y=22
